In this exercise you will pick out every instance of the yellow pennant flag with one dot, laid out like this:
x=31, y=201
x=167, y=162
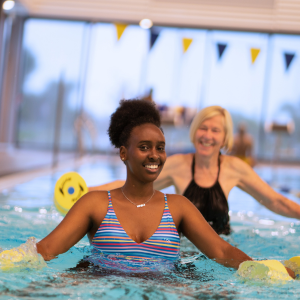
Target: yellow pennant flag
x=120, y=29
x=254, y=54
x=186, y=43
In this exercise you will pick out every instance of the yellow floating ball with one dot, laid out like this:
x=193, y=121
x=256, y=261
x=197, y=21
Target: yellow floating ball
x=264, y=270
x=69, y=188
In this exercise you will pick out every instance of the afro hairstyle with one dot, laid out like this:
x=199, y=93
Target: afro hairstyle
x=129, y=114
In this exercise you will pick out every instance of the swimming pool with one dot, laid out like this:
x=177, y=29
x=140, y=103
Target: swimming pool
x=27, y=210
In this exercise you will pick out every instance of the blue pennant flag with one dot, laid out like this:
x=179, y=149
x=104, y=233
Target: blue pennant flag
x=221, y=49
x=288, y=59
x=154, y=33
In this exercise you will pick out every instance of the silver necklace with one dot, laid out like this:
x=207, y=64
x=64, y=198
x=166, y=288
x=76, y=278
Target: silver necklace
x=138, y=205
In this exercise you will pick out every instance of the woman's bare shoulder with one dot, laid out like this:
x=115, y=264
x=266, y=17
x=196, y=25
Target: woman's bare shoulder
x=179, y=159
x=177, y=200
x=89, y=205
x=95, y=198
x=97, y=194
x=231, y=163
x=181, y=207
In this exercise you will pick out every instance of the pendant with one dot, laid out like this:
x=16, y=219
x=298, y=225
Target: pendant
x=140, y=205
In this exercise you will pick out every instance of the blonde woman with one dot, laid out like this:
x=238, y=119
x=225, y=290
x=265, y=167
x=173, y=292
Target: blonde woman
x=206, y=177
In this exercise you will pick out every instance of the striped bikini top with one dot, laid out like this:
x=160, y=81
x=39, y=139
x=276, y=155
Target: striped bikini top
x=111, y=238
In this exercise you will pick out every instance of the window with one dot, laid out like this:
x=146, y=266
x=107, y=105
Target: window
x=52, y=55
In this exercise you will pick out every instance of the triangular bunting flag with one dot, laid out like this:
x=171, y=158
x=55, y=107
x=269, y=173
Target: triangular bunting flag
x=288, y=59
x=153, y=36
x=254, y=54
x=221, y=49
x=120, y=29
x=186, y=43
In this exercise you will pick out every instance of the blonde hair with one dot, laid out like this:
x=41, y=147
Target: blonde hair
x=209, y=112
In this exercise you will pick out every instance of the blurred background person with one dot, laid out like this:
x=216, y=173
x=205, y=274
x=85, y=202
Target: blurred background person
x=243, y=145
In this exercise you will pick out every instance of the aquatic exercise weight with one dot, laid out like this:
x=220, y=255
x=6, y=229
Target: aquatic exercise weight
x=294, y=264
x=271, y=270
x=69, y=188
x=24, y=256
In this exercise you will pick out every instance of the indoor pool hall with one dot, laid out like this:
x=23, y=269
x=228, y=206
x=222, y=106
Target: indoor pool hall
x=149, y=149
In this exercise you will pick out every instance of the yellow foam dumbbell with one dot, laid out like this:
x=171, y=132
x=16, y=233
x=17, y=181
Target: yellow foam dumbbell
x=23, y=256
x=264, y=270
x=294, y=264
x=69, y=188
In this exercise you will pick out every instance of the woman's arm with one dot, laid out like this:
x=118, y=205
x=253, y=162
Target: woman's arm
x=76, y=224
x=200, y=233
x=252, y=184
x=176, y=172
x=164, y=180
x=108, y=186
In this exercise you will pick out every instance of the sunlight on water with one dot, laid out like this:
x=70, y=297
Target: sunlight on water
x=28, y=211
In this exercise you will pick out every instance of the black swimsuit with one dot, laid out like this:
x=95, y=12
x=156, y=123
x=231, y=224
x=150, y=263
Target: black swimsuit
x=211, y=202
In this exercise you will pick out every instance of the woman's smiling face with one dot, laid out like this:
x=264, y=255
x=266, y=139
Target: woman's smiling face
x=145, y=154
x=209, y=137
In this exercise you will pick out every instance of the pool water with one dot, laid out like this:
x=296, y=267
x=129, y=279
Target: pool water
x=27, y=210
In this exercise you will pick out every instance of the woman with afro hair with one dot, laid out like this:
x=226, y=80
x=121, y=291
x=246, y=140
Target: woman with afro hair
x=136, y=221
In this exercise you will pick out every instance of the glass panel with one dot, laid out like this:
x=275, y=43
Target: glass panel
x=115, y=72
x=175, y=77
x=52, y=54
x=234, y=82
x=283, y=99
x=5, y=36
x=181, y=82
